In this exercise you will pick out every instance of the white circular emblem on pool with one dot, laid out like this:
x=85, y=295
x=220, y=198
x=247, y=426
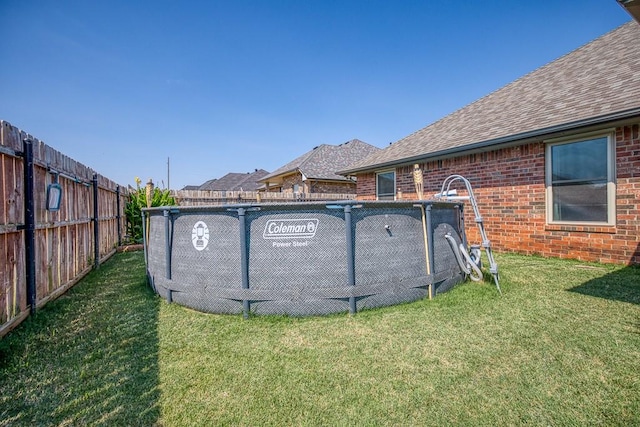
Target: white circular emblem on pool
x=200, y=235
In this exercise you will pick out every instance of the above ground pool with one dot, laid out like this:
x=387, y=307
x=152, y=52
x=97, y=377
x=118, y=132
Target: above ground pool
x=305, y=258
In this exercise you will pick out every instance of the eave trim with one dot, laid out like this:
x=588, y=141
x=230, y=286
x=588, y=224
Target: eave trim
x=570, y=126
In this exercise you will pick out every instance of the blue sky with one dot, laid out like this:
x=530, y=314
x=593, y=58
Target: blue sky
x=232, y=86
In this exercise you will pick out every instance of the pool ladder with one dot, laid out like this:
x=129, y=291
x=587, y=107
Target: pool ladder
x=448, y=194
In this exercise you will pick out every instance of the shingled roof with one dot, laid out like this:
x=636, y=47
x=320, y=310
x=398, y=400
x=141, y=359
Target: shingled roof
x=236, y=181
x=323, y=161
x=596, y=83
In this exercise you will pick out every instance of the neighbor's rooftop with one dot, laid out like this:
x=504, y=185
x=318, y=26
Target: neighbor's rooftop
x=324, y=160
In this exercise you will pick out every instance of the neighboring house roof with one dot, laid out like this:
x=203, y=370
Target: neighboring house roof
x=236, y=181
x=323, y=161
x=207, y=184
x=191, y=187
x=597, y=83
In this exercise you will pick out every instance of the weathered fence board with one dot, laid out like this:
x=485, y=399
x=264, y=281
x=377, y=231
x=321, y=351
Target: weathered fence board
x=13, y=295
x=12, y=185
x=65, y=246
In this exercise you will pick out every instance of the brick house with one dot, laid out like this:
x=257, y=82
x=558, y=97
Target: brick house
x=553, y=157
x=315, y=171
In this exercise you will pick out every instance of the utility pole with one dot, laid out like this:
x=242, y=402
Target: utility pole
x=168, y=175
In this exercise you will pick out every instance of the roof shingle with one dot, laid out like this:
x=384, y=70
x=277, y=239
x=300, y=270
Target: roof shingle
x=235, y=181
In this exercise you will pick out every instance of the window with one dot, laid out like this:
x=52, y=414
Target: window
x=580, y=180
x=386, y=185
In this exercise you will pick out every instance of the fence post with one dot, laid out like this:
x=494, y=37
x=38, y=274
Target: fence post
x=118, y=215
x=29, y=225
x=96, y=230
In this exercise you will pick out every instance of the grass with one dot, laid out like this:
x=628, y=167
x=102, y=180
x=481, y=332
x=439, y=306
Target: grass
x=559, y=347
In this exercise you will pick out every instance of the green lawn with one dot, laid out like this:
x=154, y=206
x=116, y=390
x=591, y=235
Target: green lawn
x=561, y=346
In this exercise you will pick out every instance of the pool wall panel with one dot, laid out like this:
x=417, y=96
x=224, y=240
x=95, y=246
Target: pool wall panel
x=290, y=264
x=300, y=258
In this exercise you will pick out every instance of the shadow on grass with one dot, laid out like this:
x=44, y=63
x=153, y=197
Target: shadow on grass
x=90, y=357
x=620, y=285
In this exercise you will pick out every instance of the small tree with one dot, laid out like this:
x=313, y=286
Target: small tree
x=142, y=197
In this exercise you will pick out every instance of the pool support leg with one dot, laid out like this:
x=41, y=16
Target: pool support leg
x=144, y=237
x=430, y=255
x=167, y=245
x=167, y=251
x=244, y=259
x=351, y=263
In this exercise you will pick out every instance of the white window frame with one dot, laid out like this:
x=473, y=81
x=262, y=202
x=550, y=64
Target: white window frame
x=392, y=196
x=611, y=176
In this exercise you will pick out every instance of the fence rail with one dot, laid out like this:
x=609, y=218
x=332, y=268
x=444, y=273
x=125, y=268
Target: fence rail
x=207, y=197
x=45, y=252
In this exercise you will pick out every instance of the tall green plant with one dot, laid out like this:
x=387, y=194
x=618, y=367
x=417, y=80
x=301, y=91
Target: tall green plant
x=137, y=201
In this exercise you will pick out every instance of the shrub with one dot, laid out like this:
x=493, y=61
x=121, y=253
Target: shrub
x=138, y=201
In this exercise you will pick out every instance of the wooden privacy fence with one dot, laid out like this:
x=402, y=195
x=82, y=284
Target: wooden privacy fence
x=44, y=252
x=207, y=197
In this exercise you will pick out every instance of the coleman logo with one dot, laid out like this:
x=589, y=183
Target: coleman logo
x=290, y=228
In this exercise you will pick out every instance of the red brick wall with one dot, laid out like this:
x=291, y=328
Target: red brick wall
x=509, y=186
x=366, y=186
x=331, y=187
x=289, y=181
